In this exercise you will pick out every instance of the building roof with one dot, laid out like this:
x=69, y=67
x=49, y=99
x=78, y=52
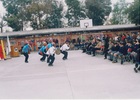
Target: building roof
x=73, y=29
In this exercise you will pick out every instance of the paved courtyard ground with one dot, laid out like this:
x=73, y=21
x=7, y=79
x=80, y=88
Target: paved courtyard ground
x=80, y=77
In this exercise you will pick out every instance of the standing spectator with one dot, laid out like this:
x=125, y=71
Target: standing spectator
x=106, y=45
x=137, y=67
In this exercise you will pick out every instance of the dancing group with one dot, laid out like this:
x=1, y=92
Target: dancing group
x=47, y=50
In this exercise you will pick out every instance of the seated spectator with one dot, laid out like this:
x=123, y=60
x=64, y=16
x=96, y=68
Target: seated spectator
x=121, y=53
x=112, y=50
x=97, y=47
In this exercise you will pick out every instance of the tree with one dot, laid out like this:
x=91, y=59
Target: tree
x=118, y=14
x=2, y=23
x=37, y=12
x=75, y=12
x=53, y=20
x=134, y=12
x=97, y=10
x=16, y=13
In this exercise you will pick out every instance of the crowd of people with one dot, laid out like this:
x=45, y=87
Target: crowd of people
x=123, y=47
x=47, y=50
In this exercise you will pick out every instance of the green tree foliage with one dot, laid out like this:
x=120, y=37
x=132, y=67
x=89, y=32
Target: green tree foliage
x=118, y=14
x=37, y=12
x=15, y=13
x=97, y=10
x=134, y=12
x=53, y=20
x=2, y=23
x=75, y=12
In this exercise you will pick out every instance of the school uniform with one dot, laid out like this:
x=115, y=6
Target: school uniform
x=122, y=52
x=51, y=55
x=48, y=47
x=106, y=46
x=137, y=64
x=64, y=49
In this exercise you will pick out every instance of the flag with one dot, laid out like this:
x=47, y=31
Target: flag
x=3, y=51
x=8, y=45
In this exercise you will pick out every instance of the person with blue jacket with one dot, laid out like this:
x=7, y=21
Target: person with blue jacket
x=42, y=52
x=25, y=50
x=49, y=45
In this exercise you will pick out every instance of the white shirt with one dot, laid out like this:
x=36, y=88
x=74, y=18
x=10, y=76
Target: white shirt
x=51, y=50
x=64, y=47
x=116, y=38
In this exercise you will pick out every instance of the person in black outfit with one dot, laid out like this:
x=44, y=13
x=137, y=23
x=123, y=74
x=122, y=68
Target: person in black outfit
x=122, y=52
x=137, y=64
x=106, y=45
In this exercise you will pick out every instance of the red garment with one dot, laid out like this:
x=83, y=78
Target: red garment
x=123, y=37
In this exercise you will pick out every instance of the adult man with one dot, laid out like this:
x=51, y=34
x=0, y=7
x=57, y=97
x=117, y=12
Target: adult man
x=64, y=49
x=106, y=45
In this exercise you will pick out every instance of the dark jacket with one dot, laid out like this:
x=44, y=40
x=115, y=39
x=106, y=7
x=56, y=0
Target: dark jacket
x=123, y=50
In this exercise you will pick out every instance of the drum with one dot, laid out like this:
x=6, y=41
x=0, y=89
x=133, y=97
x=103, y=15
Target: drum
x=58, y=51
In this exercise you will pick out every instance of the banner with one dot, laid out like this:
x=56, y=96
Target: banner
x=3, y=51
x=8, y=45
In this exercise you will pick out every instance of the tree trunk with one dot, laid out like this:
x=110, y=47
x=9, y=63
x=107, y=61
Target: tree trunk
x=1, y=29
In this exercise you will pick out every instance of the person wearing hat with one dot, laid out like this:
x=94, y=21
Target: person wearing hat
x=64, y=49
x=51, y=54
x=25, y=50
x=42, y=52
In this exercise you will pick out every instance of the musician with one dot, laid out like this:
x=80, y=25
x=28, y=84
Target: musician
x=64, y=49
x=51, y=54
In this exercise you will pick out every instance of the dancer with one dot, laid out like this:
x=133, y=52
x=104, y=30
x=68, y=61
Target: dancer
x=51, y=54
x=26, y=49
x=42, y=52
x=64, y=49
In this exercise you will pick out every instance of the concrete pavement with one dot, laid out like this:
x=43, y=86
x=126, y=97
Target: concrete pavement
x=80, y=77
